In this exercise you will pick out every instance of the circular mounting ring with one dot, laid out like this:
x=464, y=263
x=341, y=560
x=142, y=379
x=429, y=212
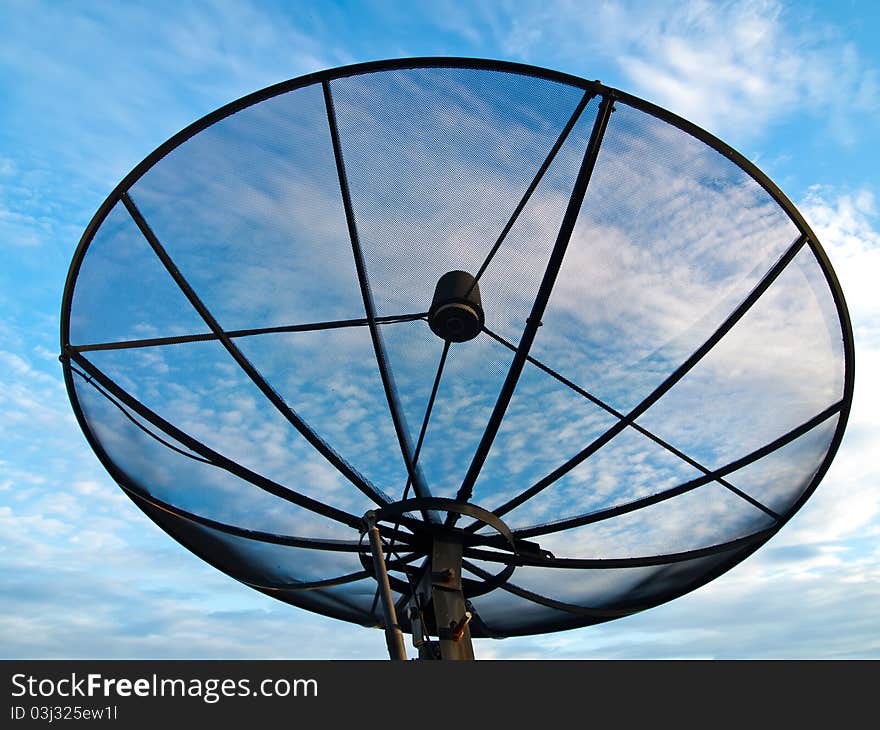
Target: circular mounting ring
x=396, y=512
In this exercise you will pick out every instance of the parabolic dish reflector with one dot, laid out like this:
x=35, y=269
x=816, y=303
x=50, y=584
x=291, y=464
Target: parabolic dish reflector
x=640, y=372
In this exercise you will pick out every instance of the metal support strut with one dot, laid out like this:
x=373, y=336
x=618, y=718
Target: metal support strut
x=393, y=634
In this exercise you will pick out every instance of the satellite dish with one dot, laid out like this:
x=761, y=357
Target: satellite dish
x=456, y=347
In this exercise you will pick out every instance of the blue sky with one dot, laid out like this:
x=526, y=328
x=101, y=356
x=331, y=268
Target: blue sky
x=90, y=89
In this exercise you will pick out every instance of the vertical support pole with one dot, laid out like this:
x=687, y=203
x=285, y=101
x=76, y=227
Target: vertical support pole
x=393, y=634
x=450, y=612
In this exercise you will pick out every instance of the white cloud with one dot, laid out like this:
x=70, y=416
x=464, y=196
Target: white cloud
x=846, y=224
x=185, y=67
x=731, y=67
x=847, y=504
x=775, y=605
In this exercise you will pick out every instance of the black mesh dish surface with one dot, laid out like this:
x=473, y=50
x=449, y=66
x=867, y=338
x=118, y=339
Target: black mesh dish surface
x=662, y=377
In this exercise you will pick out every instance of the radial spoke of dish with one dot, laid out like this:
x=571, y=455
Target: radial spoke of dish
x=308, y=543
x=666, y=385
x=549, y=602
x=138, y=424
x=208, y=336
x=428, y=409
x=137, y=493
x=629, y=422
x=610, y=512
x=551, y=155
x=418, y=481
x=324, y=582
x=276, y=400
x=213, y=456
x=309, y=585
x=422, y=431
x=643, y=561
x=566, y=228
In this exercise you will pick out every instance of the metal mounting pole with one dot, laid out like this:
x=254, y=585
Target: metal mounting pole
x=393, y=634
x=438, y=606
x=450, y=611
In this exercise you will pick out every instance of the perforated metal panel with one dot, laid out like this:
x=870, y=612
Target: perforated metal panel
x=663, y=378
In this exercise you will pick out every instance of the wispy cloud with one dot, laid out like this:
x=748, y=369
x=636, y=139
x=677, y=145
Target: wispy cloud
x=186, y=67
x=848, y=503
x=812, y=604
x=847, y=223
x=733, y=67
